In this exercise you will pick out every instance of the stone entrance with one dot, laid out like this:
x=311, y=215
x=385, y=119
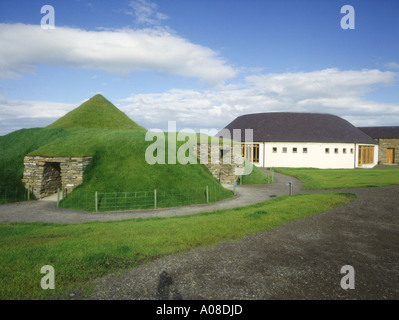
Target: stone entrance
x=52, y=177
x=224, y=162
x=45, y=175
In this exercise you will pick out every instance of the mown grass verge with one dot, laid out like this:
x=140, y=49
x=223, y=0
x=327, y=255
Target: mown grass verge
x=80, y=253
x=257, y=176
x=343, y=178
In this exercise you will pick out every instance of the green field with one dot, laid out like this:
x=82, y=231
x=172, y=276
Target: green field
x=343, y=178
x=80, y=253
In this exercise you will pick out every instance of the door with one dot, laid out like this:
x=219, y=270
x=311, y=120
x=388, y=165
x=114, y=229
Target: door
x=390, y=155
x=366, y=155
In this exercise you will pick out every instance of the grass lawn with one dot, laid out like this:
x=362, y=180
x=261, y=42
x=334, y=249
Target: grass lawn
x=80, y=253
x=343, y=178
x=257, y=176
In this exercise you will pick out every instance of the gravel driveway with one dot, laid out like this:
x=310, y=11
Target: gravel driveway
x=299, y=260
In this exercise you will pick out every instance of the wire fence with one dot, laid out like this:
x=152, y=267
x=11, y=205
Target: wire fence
x=14, y=194
x=151, y=199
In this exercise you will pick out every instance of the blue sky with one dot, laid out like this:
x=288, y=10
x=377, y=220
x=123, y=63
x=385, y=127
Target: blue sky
x=200, y=63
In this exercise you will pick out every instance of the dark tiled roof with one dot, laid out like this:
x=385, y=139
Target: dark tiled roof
x=298, y=127
x=381, y=132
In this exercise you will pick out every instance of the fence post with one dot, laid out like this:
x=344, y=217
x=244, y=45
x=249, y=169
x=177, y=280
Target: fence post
x=207, y=194
x=155, y=198
x=58, y=197
x=96, y=201
x=28, y=192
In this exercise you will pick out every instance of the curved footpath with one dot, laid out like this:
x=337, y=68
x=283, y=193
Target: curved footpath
x=45, y=211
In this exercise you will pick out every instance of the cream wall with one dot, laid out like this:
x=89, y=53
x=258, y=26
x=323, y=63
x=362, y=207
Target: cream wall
x=315, y=157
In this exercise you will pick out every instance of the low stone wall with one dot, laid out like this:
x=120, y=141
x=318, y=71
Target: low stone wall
x=225, y=163
x=44, y=175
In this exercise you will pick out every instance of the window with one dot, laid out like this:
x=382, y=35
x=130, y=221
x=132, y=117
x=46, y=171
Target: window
x=351, y=150
x=294, y=150
x=274, y=150
x=344, y=150
x=336, y=150
x=284, y=150
x=305, y=150
x=327, y=150
x=255, y=150
x=251, y=152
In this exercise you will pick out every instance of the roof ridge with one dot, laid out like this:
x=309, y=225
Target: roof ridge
x=300, y=127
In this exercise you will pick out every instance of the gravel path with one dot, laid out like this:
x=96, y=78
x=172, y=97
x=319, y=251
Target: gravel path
x=45, y=211
x=299, y=260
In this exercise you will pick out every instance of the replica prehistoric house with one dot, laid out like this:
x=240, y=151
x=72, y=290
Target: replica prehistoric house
x=313, y=140
x=45, y=175
x=388, y=139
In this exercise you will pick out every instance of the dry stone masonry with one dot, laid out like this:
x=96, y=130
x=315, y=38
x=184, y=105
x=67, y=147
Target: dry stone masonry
x=385, y=145
x=224, y=162
x=45, y=175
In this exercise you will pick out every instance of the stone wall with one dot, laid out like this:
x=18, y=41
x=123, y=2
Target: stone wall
x=225, y=163
x=46, y=174
x=384, y=145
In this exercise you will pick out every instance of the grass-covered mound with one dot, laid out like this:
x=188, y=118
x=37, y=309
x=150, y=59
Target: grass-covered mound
x=118, y=147
x=96, y=112
x=13, y=148
x=119, y=165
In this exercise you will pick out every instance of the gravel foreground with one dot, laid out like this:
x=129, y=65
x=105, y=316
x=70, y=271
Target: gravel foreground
x=299, y=260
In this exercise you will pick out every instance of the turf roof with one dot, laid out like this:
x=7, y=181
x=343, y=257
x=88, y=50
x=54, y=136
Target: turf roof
x=97, y=112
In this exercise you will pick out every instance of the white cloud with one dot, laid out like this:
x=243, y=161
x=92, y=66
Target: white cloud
x=146, y=12
x=323, y=83
x=22, y=47
x=32, y=109
x=328, y=91
x=392, y=65
x=19, y=114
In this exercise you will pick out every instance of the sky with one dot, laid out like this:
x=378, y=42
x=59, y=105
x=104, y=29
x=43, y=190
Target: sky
x=200, y=63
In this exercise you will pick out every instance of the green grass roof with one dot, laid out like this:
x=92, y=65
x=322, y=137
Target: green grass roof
x=97, y=112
